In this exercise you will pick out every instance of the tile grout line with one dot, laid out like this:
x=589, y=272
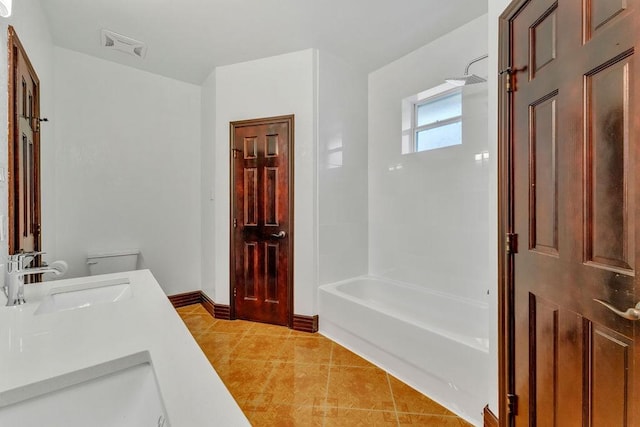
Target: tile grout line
x=272, y=372
x=208, y=328
x=242, y=335
x=393, y=399
x=194, y=314
x=326, y=393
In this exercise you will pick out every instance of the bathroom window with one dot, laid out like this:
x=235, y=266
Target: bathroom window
x=432, y=119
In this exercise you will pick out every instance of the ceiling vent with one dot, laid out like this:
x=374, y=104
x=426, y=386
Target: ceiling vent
x=115, y=41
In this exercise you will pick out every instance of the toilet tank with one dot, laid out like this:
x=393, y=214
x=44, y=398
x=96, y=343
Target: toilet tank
x=112, y=262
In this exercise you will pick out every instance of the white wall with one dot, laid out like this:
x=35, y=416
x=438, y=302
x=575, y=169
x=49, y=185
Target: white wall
x=328, y=98
x=268, y=87
x=342, y=170
x=33, y=30
x=428, y=211
x=128, y=166
x=208, y=199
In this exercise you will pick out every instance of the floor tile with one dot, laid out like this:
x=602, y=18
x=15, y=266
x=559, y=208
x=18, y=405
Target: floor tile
x=343, y=357
x=298, y=384
x=361, y=388
x=295, y=333
x=271, y=330
x=286, y=416
x=233, y=326
x=340, y=417
x=409, y=400
x=431, y=420
x=197, y=323
x=217, y=345
x=199, y=309
x=244, y=377
x=306, y=350
x=281, y=377
x=189, y=309
x=259, y=347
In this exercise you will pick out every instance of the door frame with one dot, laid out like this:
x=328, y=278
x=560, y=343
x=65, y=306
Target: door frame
x=290, y=121
x=14, y=45
x=507, y=245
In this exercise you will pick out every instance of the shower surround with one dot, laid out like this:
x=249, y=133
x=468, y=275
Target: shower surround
x=429, y=227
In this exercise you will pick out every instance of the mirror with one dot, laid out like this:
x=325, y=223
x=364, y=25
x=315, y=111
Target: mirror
x=24, y=213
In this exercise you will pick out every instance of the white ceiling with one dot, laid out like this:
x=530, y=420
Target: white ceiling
x=187, y=39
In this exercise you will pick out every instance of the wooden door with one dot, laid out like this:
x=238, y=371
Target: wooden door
x=24, y=150
x=261, y=229
x=572, y=129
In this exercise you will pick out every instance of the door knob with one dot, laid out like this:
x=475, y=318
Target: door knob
x=280, y=235
x=631, y=313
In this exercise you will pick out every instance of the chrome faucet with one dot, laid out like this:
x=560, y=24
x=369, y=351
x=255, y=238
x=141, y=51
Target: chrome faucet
x=16, y=270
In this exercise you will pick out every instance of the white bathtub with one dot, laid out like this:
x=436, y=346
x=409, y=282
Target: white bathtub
x=436, y=343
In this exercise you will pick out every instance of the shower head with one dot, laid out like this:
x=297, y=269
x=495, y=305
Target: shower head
x=465, y=80
x=468, y=79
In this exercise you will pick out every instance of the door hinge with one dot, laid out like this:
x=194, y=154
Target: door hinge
x=235, y=152
x=235, y=292
x=235, y=222
x=512, y=243
x=512, y=404
x=38, y=120
x=508, y=79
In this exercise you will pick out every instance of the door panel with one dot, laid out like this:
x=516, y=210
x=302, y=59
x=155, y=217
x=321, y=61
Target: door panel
x=610, y=227
x=610, y=363
x=573, y=109
x=543, y=176
x=262, y=218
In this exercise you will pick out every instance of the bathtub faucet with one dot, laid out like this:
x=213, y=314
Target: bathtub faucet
x=16, y=270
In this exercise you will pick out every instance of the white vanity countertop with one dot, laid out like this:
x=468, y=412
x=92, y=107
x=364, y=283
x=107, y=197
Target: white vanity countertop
x=38, y=347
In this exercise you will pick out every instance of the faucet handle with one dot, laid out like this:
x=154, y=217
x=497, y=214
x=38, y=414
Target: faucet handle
x=24, y=255
x=20, y=258
x=28, y=257
x=32, y=253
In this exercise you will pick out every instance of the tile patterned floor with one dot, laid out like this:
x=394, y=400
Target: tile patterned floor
x=281, y=377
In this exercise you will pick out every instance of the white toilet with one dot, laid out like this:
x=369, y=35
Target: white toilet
x=112, y=262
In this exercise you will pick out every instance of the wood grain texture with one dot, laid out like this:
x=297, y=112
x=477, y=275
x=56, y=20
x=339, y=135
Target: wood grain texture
x=568, y=185
x=186, y=298
x=221, y=311
x=305, y=323
x=207, y=303
x=261, y=265
x=490, y=419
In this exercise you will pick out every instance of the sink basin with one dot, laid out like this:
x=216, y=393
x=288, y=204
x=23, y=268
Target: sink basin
x=119, y=393
x=85, y=295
